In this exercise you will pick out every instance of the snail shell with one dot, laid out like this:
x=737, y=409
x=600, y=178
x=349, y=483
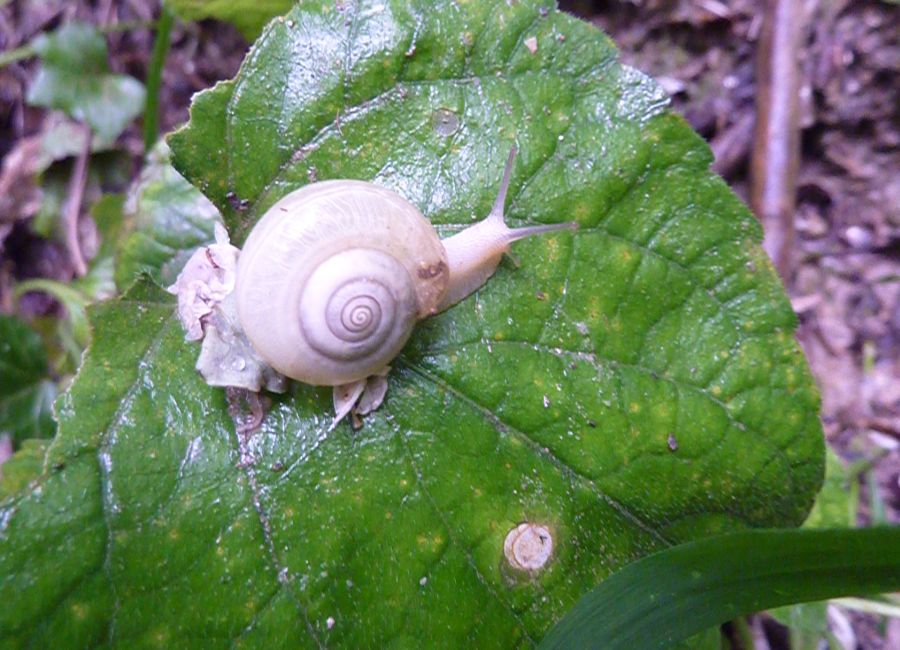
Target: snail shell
x=334, y=276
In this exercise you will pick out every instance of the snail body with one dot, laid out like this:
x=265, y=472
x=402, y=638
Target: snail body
x=334, y=276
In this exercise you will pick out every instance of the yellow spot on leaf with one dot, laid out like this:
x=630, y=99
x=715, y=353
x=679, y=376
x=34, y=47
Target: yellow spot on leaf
x=552, y=244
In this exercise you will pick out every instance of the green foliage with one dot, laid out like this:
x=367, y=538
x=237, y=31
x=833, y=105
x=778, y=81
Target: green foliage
x=23, y=467
x=666, y=597
x=249, y=16
x=629, y=386
x=835, y=505
x=168, y=218
x=75, y=78
x=26, y=392
x=71, y=332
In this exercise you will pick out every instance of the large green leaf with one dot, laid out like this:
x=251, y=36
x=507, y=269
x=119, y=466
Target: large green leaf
x=627, y=387
x=75, y=78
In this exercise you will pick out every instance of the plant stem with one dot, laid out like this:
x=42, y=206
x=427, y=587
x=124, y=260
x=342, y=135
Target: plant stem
x=776, y=147
x=17, y=54
x=154, y=76
x=72, y=209
x=743, y=634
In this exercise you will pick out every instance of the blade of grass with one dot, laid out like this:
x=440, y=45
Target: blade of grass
x=876, y=501
x=154, y=76
x=666, y=597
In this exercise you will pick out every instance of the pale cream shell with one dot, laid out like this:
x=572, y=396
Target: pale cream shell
x=306, y=228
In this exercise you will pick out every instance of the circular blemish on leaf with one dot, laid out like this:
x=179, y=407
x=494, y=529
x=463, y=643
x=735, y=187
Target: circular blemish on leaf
x=528, y=546
x=444, y=122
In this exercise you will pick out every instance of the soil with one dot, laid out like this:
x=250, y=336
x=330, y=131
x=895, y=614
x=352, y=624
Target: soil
x=844, y=275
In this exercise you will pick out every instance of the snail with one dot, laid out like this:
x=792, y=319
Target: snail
x=334, y=276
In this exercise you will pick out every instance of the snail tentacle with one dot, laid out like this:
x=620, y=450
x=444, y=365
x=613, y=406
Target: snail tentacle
x=474, y=253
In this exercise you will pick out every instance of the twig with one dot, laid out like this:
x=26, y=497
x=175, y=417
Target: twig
x=776, y=145
x=154, y=76
x=732, y=146
x=72, y=209
x=17, y=54
x=882, y=425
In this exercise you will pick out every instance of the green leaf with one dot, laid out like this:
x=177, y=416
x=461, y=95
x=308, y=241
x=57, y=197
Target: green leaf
x=23, y=467
x=169, y=218
x=75, y=78
x=627, y=387
x=672, y=594
x=835, y=505
x=26, y=392
x=65, y=138
x=249, y=16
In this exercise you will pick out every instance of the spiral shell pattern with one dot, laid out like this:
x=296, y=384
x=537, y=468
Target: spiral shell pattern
x=347, y=314
x=333, y=278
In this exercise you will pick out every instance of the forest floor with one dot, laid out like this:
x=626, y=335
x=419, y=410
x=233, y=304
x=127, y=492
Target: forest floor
x=844, y=271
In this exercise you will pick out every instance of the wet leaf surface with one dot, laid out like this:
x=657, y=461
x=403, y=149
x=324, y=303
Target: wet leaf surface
x=629, y=386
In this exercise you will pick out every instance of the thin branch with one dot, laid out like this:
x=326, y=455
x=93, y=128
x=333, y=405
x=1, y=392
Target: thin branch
x=731, y=148
x=776, y=146
x=882, y=425
x=17, y=54
x=72, y=209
